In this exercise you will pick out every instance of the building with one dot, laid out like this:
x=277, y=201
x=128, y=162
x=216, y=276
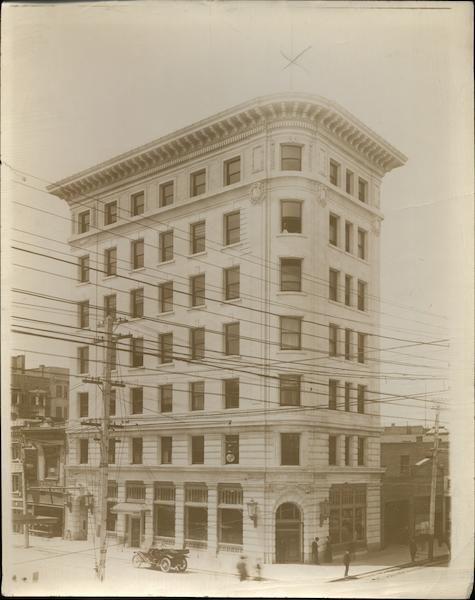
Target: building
x=38, y=392
x=243, y=251
x=407, y=483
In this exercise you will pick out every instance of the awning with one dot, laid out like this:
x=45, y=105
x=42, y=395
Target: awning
x=130, y=508
x=34, y=519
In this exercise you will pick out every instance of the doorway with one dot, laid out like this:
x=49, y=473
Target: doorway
x=288, y=534
x=135, y=532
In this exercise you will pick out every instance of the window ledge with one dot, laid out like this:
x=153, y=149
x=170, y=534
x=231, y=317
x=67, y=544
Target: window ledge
x=110, y=276
x=232, y=301
x=132, y=319
x=137, y=270
x=198, y=254
x=282, y=234
x=166, y=313
x=364, y=261
x=141, y=368
x=288, y=293
x=197, y=307
x=83, y=283
x=233, y=245
x=166, y=262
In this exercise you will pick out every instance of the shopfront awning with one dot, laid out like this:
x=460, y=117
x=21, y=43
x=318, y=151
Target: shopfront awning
x=129, y=508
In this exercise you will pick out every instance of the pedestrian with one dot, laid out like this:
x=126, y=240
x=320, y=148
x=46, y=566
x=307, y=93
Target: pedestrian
x=258, y=570
x=413, y=549
x=315, y=551
x=346, y=561
x=328, y=551
x=242, y=569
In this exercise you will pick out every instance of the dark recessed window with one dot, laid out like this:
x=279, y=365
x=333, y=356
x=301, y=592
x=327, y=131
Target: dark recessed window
x=165, y=343
x=83, y=309
x=137, y=254
x=231, y=393
x=137, y=204
x=291, y=157
x=197, y=450
x=362, y=190
x=197, y=343
x=232, y=171
x=198, y=237
x=110, y=261
x=136, y=303
x=290, y=333
x=197, y=391
x=332, y=394
x=110, y=213
x=333, y=235
x=166, y=246
x=137, y=451
x=136, y=403
x=289, y=448
x=110, y=306
x=84, y=269
x=231, y=338
x=166, y=194
x=84, y=221
x=166, y=398
x=231, y=283
x=289, y=390
x=136, y=352
x=291, y=274
x=166, y=447
x=198, y=183
x=232, y=228
x=334, y=172
x=165, y=296
x=198, y=290
x=333, y=277
x=291, y=217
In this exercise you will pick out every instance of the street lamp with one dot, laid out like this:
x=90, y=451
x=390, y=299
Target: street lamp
x=252, y=511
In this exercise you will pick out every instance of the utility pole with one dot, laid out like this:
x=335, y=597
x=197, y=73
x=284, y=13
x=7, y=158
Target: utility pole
x=433, y=486
x=26, y=525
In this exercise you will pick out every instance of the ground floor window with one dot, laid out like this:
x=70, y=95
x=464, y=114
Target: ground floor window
x=164, y=509
x=196, y=523
x=230, y=525
x=347, y=513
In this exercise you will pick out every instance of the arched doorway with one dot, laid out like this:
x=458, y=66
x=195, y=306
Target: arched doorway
x=288, y=534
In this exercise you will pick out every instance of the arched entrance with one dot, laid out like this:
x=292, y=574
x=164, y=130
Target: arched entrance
x=288, y=534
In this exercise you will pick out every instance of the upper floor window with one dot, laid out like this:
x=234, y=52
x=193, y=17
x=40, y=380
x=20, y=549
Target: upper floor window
x=112, y=403
x=136, y=303
x=231, y=449
x=349, y=182
x=83, y=359
x=166, y=246
x=291, y=216
x=232, y=171
x=166, y=194
x=231, y=338
x=197, y=450
x=291, y=274
x=198, y=237
x=197, y=343
x=333, y=229
x=347, y=450
x=332, y=450
x=231, y=393
x=165, y=296
x=136, y=404
x=333, y=340
x=290, y=390
x=332, y=394
x=137, y=254
x=231, y=283
x=166, y=398
x=334, y=172
x=165, y=344
x=289, y=448
x=84, y=269
x=83, y=404
x=361, y=451
x=110, y=306
x=361, y=347
x=348, y=236
x=348, y=336
x=110, y=261
x=362, y=190
x=290, y=333
x=198, y=183
x=136, y=352
x=290, y=157
x=232, y=228
x=362, y=243
x=137, y=204
x=404, y=464
x=83, y=451
x=137, y=450
x=83, y=314
x=361, y=295
x=84, y=221
x=347, y=396
x=111, y=454
x=197, y=391
x=348, y=286
x=198, y=290
x=166, y=448
x=110, y=213
x=361, y=398
x=333, y=277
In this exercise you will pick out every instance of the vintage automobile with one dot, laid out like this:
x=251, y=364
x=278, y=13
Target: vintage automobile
x=162, y=558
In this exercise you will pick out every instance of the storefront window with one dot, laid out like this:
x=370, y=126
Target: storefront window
x=347, y=513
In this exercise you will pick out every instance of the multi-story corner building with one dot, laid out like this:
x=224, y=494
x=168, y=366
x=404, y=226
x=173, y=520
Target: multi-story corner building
x=406, y=453
x=244, y=253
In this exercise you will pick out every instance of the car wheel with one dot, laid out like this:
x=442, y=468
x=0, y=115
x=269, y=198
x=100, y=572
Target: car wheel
x=181, y=564
x=165, y=564
x=136, y=560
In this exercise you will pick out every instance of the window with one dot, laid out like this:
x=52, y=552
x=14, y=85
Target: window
x=137, y=204
x=333, y=284
x=83, y=404
x=291, y=274
x=289, y=448
x=137, y=451
x=197, y=343
x=361, y=347
x=231, y=283
x=166, y=446
x=111, y=451
x=83, y=451
x=232, y=171
x=197, y=450
x=110, y=306
x=198, y=290
x=196, y=513
x=83, y=314
x=347, y=521
x=230, y=515
x=83, y=359
x=166, y=398
x=362, y=190
x=404, y=466
x=112, y=403
x=17, y=487
x=165, y=296
x=348, y=334
x=164, y=509
x=197, y=390
x=110, y=213
x=110, y=261
x=166, y=194
x=291, y=157
x=347, y=396
x=361, y=398
x=291, y=216
x=232, y=228
x=361, y=244
x=348, y=236
x=349, y=182
x=333, y=225
x=198, y=237
x=137, y=254
x=113, y=347
x=332, y=450
x=231, y=393
x=84, y=221
x=289, y=390
x=231, y=449
x=347, y=450
x=136, y=351
x=198, y=183
x=134, y=490
x=231, y=338
x=165, y=344
x=84, y=269
x=334, y=172
x=166, y=246
x=361, y=295
x=332, y=394
x=136, y=303
x=290, y=333
x=333, y=340
x=348, y=286
x=361, y=451
x=136, y=403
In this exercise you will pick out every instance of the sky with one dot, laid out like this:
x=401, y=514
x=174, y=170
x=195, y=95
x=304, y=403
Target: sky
x=85, y=82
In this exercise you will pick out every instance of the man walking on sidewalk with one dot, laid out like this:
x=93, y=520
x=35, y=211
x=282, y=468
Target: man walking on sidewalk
x=413, y=549
x=346, y=561
x=315, y=551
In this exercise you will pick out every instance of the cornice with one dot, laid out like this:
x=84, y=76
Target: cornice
x=312, y=113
